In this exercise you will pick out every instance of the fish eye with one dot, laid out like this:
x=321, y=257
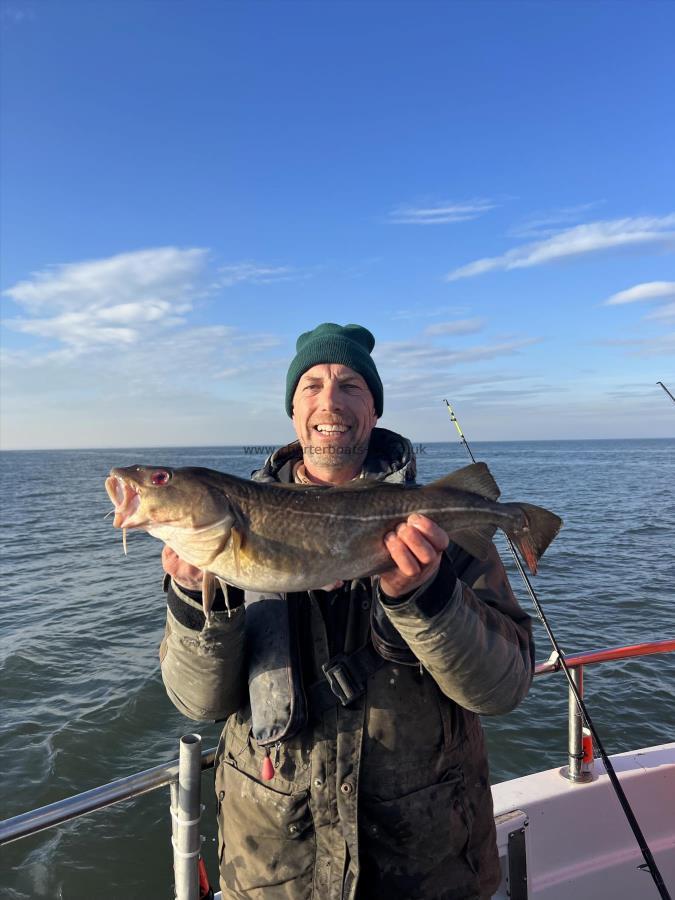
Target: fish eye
x=161, y=476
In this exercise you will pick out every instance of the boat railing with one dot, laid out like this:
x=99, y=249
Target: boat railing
x=182, y=775
x=579, y=740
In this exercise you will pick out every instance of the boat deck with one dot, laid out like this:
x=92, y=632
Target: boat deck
x=558, y=839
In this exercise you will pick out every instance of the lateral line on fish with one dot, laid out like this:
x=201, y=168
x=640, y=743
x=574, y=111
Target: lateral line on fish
x=331, y=515
x=388, y=515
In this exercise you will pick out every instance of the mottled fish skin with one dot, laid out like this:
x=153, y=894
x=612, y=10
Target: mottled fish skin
x=274, y=537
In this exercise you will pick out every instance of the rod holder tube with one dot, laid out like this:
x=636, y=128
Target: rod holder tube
x=173, y=787
x=576, y=770
x=186, y=817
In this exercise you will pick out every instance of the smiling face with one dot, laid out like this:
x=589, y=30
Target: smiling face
x=333, y=416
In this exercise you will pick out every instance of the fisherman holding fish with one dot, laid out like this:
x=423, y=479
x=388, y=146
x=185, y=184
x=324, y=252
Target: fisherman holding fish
x=348, y=641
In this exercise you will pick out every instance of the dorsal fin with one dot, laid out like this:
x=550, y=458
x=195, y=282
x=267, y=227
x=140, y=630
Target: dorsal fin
x=476, y=479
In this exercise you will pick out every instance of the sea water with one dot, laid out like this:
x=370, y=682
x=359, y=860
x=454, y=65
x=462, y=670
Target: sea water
x=80, y=625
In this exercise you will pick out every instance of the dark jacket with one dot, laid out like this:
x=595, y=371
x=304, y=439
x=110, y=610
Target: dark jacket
x=389, y=795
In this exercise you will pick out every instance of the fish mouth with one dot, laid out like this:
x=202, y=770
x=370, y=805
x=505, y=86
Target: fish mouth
x=126, y=499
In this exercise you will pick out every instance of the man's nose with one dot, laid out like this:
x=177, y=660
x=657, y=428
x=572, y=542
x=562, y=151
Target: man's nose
x=331, y=396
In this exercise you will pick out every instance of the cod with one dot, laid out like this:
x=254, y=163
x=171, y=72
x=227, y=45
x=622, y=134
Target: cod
x=290, y=537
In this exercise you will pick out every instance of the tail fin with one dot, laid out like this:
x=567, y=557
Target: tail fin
x=541, y=526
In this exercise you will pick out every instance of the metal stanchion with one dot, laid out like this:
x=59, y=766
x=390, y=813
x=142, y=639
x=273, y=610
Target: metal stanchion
x=579, y=739
x=186, y=815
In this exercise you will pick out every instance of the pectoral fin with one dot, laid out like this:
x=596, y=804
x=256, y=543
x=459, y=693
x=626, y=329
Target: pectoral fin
x=237, y=543
x=475, y=541
x=225, y=588
x=208, y=595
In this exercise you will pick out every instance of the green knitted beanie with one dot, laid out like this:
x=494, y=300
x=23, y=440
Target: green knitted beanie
x=349, y=345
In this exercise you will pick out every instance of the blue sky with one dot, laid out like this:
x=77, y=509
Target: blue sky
x=186, y=187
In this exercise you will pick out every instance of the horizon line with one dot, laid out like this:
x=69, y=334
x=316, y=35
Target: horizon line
x=276, y=446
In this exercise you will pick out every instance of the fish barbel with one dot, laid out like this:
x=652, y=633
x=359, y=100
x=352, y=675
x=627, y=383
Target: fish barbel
x=290, y=537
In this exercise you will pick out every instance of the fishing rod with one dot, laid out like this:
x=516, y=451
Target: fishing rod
x=666, y=390
x=609, y=768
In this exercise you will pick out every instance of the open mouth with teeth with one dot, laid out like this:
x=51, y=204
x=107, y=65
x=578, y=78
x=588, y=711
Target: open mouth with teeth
x=333, y=428
x=126, y=498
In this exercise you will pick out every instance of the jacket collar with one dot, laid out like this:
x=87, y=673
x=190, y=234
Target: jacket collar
x=390, y=458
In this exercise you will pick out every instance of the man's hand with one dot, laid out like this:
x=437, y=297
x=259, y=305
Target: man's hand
x=416, y=547
x=183, y=573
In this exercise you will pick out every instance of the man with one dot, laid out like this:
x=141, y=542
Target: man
x=352, y=762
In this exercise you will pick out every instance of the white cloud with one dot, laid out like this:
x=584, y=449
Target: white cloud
x=88, y=306
x=254, y=273
x=420, y=312
x=423, y=369
x=130, y=304
x=577, y=241
x=459, y=326
x=151, y=311
x=79, y=330
x=400, y=357
x=228, y=373
x=143, y=276
x=661, y=345
x=649, y=290
x=439, y=213
x=189, y=384
x=639, y=390
x=663, y=312
x=194, y=358
x=94, y=327
x=654, y=292
x=545, y=224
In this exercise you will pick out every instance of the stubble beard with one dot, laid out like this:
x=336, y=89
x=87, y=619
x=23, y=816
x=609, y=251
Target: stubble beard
x=336, y=456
